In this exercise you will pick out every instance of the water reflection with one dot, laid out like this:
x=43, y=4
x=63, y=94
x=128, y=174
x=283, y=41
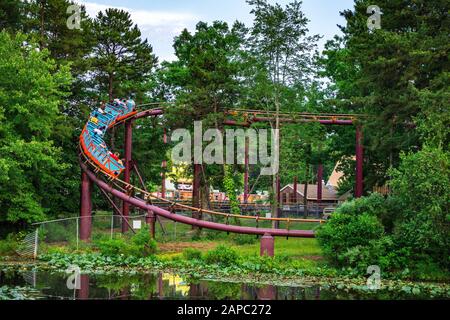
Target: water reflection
x=153, y=286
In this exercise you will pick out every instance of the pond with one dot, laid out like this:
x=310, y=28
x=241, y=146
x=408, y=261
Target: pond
x=143, y=286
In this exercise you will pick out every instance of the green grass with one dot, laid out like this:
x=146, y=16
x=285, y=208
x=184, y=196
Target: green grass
x=293, y=247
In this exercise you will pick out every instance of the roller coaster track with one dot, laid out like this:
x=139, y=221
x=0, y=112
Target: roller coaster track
x=142, y=199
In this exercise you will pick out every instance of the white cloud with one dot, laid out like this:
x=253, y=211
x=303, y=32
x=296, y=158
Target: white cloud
x=159, y=27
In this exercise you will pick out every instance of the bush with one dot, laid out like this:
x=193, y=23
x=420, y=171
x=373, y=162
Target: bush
x=8, y=246
x=408, y=231
x=343, y=231
x=222, y=255
x=144, y=242
x=192, y=254
x=111, y=247
x=422, y=185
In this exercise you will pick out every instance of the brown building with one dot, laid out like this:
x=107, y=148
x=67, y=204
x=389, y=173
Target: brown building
x=329, y=195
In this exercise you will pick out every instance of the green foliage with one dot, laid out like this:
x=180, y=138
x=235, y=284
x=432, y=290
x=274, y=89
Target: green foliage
x=192, y=254
x=31, y=89
x=143, y=241
x=422, y=186
x=398, y=75
x=241, y=239
x=222, y=255
x=127, y=63
x=141, y=244
x=408, y=229
x=230, y=190
x=9, y=245
x=343, y=231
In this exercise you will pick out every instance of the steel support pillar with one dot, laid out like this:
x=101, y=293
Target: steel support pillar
x=295, y=189
x=267, y=245
x=83, y=292
x=319, y=183
x=359, y=163
x=85, y=207
x=277, y=223
x=150, y=220
x=268, y=292
x=163, y=173
x=246, y=190
x=127, y=171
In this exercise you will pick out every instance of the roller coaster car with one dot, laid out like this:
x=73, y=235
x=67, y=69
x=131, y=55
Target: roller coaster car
x=91, y=138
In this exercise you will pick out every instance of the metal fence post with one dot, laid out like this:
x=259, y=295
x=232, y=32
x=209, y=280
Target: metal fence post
x=112, y=226
x=78, y=233
x=36, y=239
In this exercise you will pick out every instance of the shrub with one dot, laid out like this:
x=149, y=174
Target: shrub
x=192, y=254
x=222, y=255
x=144, y=242
x=343, y=231
x=8, y=246
x=111, y=247
x=422, y=185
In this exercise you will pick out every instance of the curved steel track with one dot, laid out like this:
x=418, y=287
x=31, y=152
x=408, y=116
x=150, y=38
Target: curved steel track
x=126, y=191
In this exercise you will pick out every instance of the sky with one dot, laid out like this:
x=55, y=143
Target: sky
x=161, y=20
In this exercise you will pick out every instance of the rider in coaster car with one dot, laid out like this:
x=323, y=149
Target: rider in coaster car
x=131, y=105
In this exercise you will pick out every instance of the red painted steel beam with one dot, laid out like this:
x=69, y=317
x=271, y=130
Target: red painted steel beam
x=295, y=189
x=246, y=168
x=321, y=121
x=127, y=172
x=139, y=203
x=85, y=207
x=319, y=183
x=163, y=173
x=359, y=163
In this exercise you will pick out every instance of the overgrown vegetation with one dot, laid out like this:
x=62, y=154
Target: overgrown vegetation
x=407, y=232
x=141, y=244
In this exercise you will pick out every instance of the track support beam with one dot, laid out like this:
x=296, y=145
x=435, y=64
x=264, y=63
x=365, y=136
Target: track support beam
x=267, y=245
x=319, y=183
x=127, y=172
x=85, y=207
x=150, y=219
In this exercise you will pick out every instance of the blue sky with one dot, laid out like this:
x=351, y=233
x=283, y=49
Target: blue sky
x=161, y=20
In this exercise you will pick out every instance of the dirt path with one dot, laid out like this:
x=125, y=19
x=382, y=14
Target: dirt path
x=175, y=247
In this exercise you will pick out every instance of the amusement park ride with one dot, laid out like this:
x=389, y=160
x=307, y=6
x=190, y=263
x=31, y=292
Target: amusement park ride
x=103, y=168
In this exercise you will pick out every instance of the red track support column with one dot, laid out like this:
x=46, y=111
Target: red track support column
x=268, y=292
x=359, y=163
x=85, y=207
x=150, y=220
x=246, y=189
x=196, y=190
x=267, y=245
x=83, y=292
x=319, y=183
x=163, y=173
x=127, y=172
x=295, y=189
x=277, y=223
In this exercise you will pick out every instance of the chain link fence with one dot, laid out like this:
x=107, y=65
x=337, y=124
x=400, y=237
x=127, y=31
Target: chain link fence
x=65, y=232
